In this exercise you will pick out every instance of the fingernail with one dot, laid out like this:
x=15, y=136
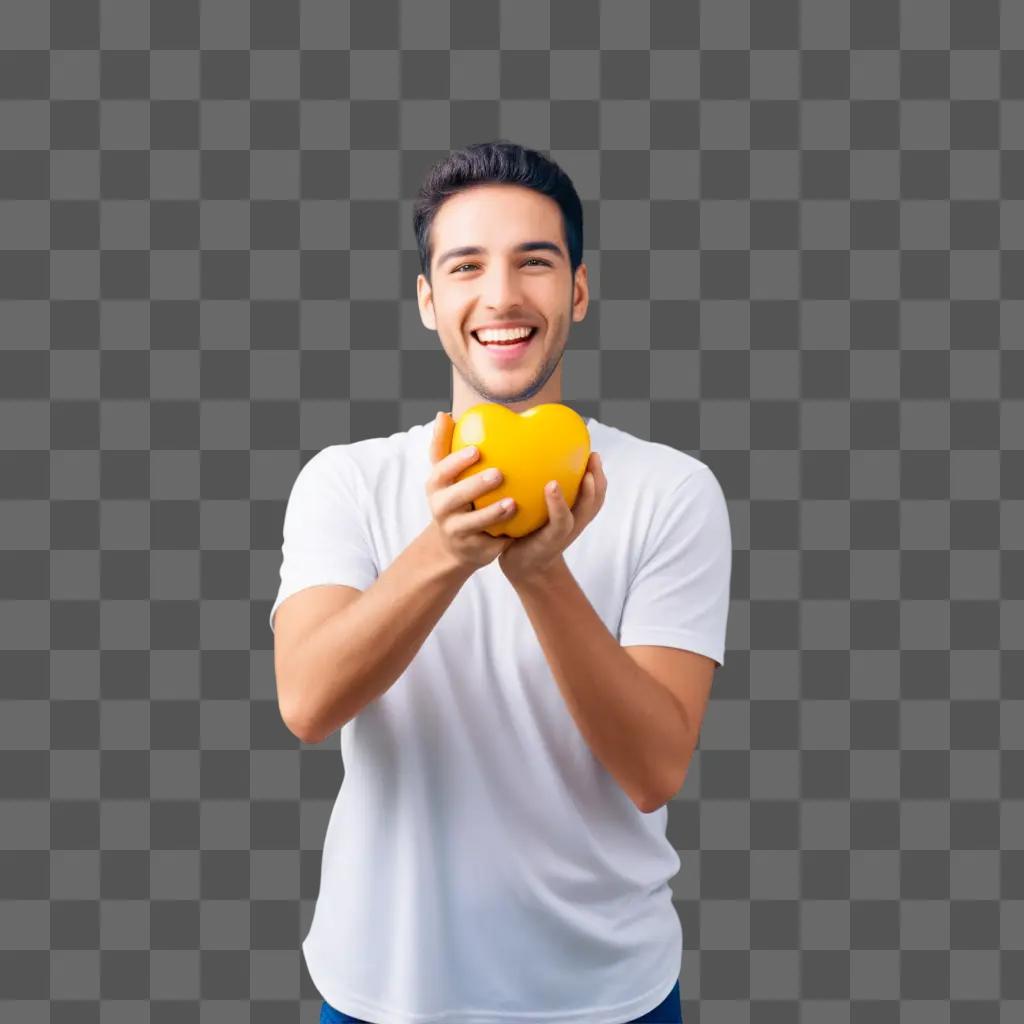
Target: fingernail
x=470, y=451
x=553, y=488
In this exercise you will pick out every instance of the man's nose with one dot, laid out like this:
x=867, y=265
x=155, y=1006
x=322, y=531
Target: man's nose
x=501, y=287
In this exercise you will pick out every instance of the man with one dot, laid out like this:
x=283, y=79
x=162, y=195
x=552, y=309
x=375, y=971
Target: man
x=515, y=713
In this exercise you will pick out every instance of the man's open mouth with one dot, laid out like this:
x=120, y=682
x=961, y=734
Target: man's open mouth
x=506, y=344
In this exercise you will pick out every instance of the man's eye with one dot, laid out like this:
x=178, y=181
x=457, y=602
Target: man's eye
x=532, y=259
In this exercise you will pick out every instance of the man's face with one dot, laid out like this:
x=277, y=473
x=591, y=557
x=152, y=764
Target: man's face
x=501, y=283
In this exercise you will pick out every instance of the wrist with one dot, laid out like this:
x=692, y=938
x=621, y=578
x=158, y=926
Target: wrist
x=441, y=558
x=551, y=575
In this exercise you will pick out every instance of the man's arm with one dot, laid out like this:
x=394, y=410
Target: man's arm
x=356, y=655
x=631, y=722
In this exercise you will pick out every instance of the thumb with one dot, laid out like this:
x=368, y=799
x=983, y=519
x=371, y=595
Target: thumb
x=440, y=441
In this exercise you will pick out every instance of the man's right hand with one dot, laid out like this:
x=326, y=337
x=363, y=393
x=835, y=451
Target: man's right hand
x=460, y=527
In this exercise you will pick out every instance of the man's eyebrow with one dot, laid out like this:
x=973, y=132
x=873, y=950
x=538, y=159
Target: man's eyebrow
x=477, y=250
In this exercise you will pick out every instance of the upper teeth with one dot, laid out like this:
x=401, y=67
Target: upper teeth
x=510, y=335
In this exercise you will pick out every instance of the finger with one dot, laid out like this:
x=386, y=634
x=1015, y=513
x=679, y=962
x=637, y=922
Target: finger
x=558, y=509
x=461, y=495
x=439, y=442
x=600, y=479
x=586, y=497
x=467, y=522
x=453, y=464
x=447, y=429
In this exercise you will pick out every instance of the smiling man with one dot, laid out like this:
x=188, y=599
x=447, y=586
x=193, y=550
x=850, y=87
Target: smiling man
x=511, y=738
x=509, y=267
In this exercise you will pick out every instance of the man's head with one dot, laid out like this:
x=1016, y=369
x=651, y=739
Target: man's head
x=497, y=198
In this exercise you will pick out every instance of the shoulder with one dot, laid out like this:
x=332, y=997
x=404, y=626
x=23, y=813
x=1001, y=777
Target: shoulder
x=361, y=465
x=326, y=478
x=325, y=466
x=657, y=468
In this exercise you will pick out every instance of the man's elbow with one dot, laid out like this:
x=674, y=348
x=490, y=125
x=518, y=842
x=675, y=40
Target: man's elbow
x=294, y=712
x=304, y=734
x=297, y=718
x=650, y=806
x=298, y=726
x=665, y=794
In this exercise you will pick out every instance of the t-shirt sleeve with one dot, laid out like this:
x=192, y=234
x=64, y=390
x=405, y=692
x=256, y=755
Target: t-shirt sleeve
x=324, y=537
x=679, y=596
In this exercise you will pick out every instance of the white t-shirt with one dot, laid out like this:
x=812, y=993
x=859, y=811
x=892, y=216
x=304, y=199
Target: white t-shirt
x=481, y=866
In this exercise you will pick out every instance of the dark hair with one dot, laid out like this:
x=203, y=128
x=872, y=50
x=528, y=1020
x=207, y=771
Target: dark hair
x=497, y=162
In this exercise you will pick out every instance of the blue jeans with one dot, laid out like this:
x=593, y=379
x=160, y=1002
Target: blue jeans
x=668, y=1012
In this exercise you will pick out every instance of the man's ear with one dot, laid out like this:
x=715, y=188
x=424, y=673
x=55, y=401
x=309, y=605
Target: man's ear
x=581, y=293
x=425, y=301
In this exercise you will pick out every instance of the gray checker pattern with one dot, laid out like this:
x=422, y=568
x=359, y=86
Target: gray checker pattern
x=805, y=233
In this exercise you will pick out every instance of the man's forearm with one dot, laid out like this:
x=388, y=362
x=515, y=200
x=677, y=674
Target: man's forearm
x=356, y=656
x=631, y=723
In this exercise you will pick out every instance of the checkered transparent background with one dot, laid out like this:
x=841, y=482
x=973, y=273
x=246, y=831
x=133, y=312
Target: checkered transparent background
x=804, y=226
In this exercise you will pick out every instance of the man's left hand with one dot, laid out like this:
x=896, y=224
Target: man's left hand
x=531, y=558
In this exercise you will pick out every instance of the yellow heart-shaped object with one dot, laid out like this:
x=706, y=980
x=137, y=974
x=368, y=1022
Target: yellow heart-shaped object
x=547, y=442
